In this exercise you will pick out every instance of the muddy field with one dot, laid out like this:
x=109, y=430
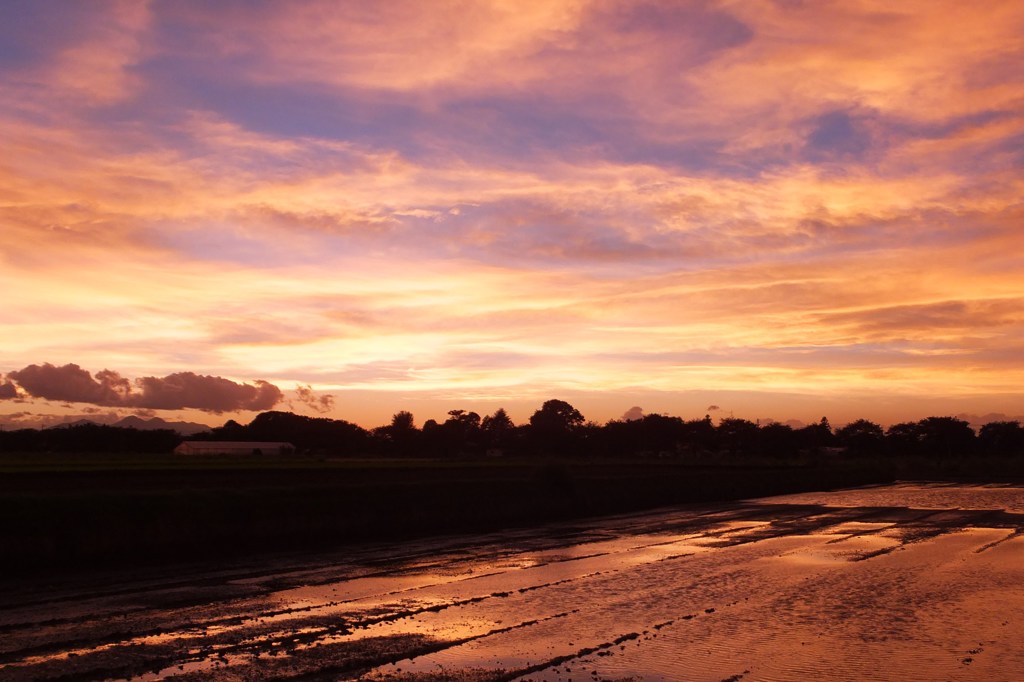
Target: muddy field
x=907, y=581
x=88, y=512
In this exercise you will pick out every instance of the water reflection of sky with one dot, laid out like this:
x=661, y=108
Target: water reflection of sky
x=919, y=495
x=865, y=584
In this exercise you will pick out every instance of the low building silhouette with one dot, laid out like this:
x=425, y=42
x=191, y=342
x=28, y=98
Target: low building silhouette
x=212, y=447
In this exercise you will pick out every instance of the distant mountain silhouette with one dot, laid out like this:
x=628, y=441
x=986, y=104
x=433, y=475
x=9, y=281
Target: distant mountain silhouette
x=140, y=424
x=70, y=425
x=184, y=428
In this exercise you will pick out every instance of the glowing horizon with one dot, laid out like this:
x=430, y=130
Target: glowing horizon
x=783, y=209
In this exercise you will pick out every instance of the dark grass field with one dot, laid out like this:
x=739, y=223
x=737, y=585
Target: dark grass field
x=67, y=513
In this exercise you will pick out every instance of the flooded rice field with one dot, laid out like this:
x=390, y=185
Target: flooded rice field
x=901, y=582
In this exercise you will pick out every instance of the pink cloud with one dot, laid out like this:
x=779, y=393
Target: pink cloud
x=499, y=198
x=181, y=390
x=320, y=403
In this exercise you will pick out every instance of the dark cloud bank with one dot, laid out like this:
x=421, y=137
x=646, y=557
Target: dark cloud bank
x=70, y=383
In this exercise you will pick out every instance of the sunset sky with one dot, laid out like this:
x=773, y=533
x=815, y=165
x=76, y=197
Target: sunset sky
x=777, y=209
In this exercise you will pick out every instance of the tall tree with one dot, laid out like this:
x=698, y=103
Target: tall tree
x=556, y=416
x=497, y=429
x=553, y=427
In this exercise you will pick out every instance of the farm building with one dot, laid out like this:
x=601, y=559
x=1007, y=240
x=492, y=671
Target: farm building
x=211, y=447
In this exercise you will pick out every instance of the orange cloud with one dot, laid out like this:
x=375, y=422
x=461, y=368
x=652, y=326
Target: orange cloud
x=500, y=200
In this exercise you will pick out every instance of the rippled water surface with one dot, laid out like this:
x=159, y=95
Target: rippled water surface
x=901, y=582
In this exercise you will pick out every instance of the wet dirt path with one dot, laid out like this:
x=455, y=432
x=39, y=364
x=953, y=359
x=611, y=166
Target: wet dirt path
x=911, y=581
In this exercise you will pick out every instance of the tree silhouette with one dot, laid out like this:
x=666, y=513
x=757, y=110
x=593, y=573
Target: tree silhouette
x=816, y=436
x=400, y=436
x=468, y=421
x=310, y=434
x=778, y=440
x=904, y=438
x=1002, y=438
x=861, y=437
x=556, y=416
x=698, y=435
x=737, y=436
x=461, y=432
x=497, y=429
x=946, y=436
x=661, y=433
x=402, y=421
x=497, y=422
x=554, y=426
x=93, y=438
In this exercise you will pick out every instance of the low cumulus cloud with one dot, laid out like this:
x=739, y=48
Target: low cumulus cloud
x=632, y=414
x=308, y=397
x=8, y=391
x=181, y=390
x=208, y=393
x=69, y=383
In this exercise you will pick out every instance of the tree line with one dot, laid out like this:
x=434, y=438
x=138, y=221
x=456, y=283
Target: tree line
x=556, y=429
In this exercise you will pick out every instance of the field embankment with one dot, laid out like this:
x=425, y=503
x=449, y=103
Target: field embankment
x=63, y=513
